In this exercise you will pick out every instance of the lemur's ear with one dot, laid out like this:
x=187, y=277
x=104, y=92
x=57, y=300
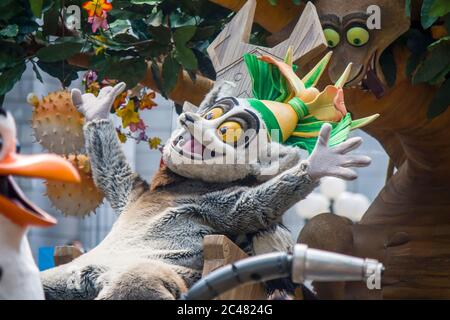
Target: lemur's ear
x=279, y=159
x=221, y=90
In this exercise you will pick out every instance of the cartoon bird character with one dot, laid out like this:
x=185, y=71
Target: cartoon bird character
x=19, y=276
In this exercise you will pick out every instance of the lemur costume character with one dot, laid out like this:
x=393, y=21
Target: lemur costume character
x=154, y=250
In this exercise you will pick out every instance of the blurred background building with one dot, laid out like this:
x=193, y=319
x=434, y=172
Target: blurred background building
x=161, y=120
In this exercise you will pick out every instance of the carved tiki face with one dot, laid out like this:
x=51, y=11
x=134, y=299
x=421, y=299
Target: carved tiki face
x=348, y=35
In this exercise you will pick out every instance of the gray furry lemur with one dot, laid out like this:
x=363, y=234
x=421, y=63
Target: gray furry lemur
x=154, y=249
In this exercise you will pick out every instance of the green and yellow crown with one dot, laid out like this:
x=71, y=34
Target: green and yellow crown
x=295, y=107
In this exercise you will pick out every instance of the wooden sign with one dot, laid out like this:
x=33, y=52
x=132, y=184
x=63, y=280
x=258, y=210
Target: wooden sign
x=226, y=51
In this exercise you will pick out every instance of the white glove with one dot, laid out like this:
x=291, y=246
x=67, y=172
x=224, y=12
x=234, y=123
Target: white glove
x=335, y=161
x=97, y=108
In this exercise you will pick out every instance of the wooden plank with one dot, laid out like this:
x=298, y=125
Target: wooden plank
x=219, y=251
x=226, y=51
x=65, y=254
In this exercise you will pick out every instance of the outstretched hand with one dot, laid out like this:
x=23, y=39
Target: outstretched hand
x=325, y=161
x=97, y=108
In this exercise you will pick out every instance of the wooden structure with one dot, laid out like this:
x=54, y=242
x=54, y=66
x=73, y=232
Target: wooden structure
x=219, y=251
x=227, y=50
x=65, y=254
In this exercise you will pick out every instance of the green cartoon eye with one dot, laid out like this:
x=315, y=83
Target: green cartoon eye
x=333, y=38
x=357, y=36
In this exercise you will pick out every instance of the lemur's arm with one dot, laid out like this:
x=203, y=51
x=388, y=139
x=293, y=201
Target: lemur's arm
x=252, y=209
x=111, y=172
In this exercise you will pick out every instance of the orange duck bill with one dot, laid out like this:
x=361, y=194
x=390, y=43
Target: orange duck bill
x=13, y=203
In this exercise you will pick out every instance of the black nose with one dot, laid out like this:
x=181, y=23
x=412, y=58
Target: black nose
x=189, y=118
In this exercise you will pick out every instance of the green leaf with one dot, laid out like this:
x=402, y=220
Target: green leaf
x=412, y=63
x=9, y=77
x=161, y=34
x=205, y=65
x=435, y=62
x=5, y=3
x=10, y=31
x=183, y=34
x=447, y=22
x=156, y=73
x=119, y=26
x=125, y=39
x=440, y=8
x=10, y=54
x=140, y=28
x=128, y=70
x=186, y=57
x=425, y=17
x=13, y=9
x=408, y=8
x=61, y=70
x=440, y=41
x=151, y=2
x=441, y=100
x=27, y=26
x=170, y=71
x=59, y=51
x=36, y=7
x=440, y=77
x=204, y=33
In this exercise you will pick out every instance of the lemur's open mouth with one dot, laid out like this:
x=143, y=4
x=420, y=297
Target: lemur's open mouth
x=187, y=146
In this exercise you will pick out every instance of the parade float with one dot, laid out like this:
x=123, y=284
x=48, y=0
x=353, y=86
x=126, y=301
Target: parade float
x=399, y=71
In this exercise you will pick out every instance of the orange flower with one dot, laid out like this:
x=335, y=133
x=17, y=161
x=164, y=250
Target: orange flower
x=97, y=7
x=147, y=101
x=120, y=100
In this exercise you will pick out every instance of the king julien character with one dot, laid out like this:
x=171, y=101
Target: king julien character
x=154, y=250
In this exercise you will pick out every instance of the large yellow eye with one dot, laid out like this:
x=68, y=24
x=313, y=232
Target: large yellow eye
x=332, y=36
x=230, y=131
x=357, y=36
x=213, y=114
